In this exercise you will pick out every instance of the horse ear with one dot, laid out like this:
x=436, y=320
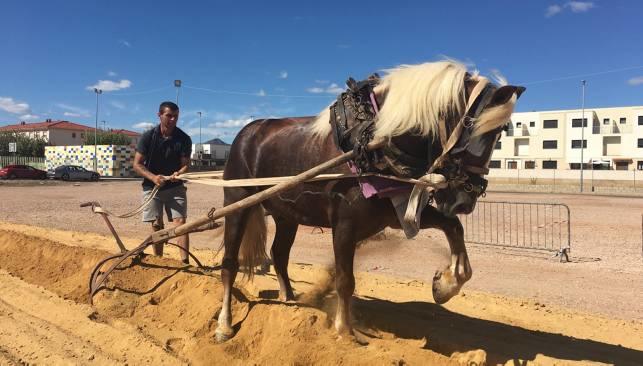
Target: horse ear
x=504, y=93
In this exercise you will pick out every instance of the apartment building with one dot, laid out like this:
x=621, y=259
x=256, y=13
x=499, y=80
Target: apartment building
x=61, y=133
x=609, y=138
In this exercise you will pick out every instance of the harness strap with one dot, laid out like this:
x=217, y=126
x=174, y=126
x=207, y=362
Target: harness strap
x=457, y=131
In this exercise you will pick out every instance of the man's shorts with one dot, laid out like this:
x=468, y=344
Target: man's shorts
x=172, y=199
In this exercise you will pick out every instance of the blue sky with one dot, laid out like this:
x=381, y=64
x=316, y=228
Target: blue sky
x=245, y=59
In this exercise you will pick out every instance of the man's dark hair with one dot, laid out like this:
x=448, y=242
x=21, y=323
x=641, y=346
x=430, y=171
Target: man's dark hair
x=173, y=107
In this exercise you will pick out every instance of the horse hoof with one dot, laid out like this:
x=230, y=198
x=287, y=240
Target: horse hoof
x=445, y=286
x=221, y=336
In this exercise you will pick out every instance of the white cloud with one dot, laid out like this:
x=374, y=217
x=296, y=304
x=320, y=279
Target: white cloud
x=574, y=6
x=580, y=6
x=231, y=123
x=553, y=10
x=331, y=89
x=117, y=105
x=283, y=75
x=108, y=85
x=322, y=81
x=15, y=107
x=72, y=111
x=25, y=117
x=72, y=114
x=143, y=125
x=636, y=81
x=261, y=93
x=111, y=74
x=125, y=43
x=334, y=89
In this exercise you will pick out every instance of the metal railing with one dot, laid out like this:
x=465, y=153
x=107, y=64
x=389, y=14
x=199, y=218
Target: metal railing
x=534, y=226
x=22, y=160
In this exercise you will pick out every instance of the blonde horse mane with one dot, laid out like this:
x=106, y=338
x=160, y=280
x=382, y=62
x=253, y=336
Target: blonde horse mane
x=418, y=96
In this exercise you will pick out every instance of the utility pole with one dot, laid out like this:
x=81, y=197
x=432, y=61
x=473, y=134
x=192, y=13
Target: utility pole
x=199, y=113
x=177, y=84
x=98, y=92
x=582, y=136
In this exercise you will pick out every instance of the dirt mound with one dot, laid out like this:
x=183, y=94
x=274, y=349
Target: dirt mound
x=160, y=311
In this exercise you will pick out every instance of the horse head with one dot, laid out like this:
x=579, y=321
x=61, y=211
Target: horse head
x=464, y=112
x=468, y=161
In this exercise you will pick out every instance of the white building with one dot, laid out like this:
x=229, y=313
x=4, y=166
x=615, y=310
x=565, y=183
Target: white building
x=61, y=133
x=611, y=139
x=210, y=153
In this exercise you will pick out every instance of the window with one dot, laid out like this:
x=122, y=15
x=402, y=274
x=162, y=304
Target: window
x=621, y=165
x=498, y=145
x=639, y=165
x=622, y=120
x=518, y=124
x=576, y=144
x=577, y=123
x=550, y=164
x=532, y=124
x=606, y=121
x=576, y=166
x=530, y=164
x=494, y=164
x=640, y=142
x=512, y=165
x=550, y=123
x=550, y=144
x=640, y=120
x=73, y=135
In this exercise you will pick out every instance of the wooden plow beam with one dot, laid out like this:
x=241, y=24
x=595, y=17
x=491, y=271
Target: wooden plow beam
x=98, y=278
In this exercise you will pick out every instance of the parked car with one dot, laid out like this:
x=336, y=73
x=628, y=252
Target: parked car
x=22, y=172
x=74, y=172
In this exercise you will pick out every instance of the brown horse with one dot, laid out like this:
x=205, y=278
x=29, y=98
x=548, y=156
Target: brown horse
x=412, y=100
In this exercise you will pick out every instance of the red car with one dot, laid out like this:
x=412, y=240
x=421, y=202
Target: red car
x=22, y=172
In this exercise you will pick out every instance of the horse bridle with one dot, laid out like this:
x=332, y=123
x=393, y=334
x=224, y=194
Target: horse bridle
x=457, y=173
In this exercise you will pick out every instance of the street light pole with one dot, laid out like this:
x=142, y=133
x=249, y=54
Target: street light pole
x=177, y=84
x=582, y=136
x=199, y=113
x=98, y=92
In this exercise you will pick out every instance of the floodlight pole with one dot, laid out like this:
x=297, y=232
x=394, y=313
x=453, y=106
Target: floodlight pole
x=177, y=84
x=98, y=92
x=582, y=136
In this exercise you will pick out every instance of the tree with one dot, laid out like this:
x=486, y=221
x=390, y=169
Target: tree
x=107, y=138
x=25, y=145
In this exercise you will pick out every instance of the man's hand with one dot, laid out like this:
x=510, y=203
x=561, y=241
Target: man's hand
x=159, y=180
x=174, y=177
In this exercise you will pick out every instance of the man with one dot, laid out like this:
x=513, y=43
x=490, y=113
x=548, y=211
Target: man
x=162, y=154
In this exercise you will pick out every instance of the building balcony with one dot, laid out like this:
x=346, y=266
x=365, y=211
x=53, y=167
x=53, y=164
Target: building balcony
x=613, y=129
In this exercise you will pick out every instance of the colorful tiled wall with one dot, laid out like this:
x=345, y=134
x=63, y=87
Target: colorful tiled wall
x=113, y=161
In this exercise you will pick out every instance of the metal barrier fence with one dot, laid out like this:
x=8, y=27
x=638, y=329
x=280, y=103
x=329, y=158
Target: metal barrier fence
x=22, y=160
x=535, y=226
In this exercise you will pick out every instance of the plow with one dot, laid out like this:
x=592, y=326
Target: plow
x=106, y=266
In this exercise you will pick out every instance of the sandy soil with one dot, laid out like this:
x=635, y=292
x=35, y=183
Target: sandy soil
x=516, y=308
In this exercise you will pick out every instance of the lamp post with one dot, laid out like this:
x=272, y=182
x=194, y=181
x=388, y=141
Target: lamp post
x=199, y=113
x=582, y=135
x=177, y=84
x=98, y=92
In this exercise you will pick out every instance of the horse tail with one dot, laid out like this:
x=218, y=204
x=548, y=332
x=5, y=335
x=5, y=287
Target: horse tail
x=253, y=245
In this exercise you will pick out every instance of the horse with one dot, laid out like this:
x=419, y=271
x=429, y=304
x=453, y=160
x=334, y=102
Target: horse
x=430, y=109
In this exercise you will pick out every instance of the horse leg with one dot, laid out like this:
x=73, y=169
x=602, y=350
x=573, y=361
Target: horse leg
x=280, y=252
x=344, y=248
x=447, y=282
x=234, y=229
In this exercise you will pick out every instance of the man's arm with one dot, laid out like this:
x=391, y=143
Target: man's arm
x=141, y=170
x=185, y=166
